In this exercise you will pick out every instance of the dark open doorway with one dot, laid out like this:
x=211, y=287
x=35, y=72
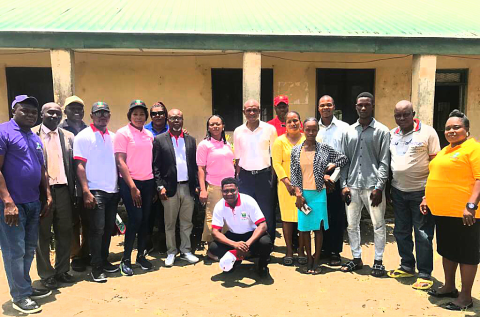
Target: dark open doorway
x=32, y=81
x=344, y=85
x=227, y=95
x=450, y=94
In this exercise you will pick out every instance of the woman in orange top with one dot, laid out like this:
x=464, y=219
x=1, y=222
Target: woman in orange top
x=452, y=195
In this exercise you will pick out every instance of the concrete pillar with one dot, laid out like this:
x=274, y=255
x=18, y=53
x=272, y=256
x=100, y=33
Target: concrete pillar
x=252, y=68
x=63, y=71
x=423, y=86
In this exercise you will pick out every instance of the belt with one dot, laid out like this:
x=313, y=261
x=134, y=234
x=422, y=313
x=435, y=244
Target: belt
x=58, y=185
x=182, y=182
x=266, y=169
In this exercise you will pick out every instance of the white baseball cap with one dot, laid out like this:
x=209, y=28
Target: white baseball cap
x=227, y=261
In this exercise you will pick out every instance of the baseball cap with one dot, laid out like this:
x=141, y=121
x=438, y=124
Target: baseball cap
x=99, y=105
x=137, y=103
x=73, y=99
x=227, y=261
x=279, y=99
x=22, y=98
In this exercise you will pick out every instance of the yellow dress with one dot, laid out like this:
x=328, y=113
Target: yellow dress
x=281, y=152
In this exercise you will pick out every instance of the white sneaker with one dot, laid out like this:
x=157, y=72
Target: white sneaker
x=189, y=257
x=170, y=260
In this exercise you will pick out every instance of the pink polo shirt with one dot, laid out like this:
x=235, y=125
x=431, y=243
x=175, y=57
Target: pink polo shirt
x=138, y=145
x=217, y=157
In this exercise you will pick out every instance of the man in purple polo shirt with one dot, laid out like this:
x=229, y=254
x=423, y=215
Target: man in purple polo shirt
x=22, y=176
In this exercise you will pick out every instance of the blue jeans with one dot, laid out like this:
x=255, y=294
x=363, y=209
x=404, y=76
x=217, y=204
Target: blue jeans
x=137, y=217
x=18, y=245
x=406, y=206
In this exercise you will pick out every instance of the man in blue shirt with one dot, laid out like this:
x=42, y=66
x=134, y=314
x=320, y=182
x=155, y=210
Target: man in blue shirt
x=22, y=175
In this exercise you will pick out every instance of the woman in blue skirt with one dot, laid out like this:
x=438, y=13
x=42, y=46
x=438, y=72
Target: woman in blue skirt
x=311, y=162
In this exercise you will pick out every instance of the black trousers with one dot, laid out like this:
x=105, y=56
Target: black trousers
x=333, y=237
x=102, y=223
x=260, y=248
x=259, y=187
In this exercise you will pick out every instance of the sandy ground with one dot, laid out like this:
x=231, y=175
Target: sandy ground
x=202, y=290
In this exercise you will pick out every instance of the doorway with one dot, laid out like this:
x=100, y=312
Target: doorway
x=450, y=92
x=344, y=85
x=32, y=81
x=227, y=95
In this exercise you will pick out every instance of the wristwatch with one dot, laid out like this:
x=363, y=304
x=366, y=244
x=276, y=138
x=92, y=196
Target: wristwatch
x=472, y=206
x=159, y=188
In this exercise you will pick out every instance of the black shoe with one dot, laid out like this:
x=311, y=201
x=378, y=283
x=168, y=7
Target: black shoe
x=50, y=283
x=79, y=265
x=38, y=293
x=27, y=306
x=98, y=275
x=263, y=272
x=144, y=263
x=109, y=267
x=65, y=278
x=126, y=268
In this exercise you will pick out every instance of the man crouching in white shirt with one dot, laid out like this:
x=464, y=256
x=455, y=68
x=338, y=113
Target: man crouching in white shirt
x=247, y=229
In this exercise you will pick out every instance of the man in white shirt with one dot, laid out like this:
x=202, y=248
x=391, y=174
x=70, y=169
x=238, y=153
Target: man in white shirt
x=331, y=132
x=413, y=145
x=246, y=227
x=97, y=175
x=58, y=153
x=252, y=144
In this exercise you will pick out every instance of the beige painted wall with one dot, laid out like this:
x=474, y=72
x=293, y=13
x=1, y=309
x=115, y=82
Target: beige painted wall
x=185, y=82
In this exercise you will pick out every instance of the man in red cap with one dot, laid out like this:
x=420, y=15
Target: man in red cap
x=281, y=109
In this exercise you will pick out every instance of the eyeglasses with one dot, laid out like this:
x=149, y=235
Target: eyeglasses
x=157, y=113
x=100, y=114
x=173, y=119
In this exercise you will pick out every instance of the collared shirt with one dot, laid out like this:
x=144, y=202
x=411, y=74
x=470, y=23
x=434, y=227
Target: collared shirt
x=138, y=147
x=65, y=125
x=95, y=148
x=333, y=133
x=253, y=148
x=368, y=154
x=453, y=174
x=62, y=176
x=180, y=157
x=279, y=126
x=410, y=155
x=150, y=128
x=243, y=218
x=23, y=160
x=217, y=157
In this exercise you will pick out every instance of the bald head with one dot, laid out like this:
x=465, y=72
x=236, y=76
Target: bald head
x=251, y=110
x=51, y=115
x=175, y=121
x=251, y=103
x=404, y=114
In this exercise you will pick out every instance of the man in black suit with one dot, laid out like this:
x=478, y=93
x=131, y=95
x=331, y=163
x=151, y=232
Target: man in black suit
x=175, y=170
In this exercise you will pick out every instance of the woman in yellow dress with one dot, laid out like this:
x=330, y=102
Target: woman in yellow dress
x=281, y=151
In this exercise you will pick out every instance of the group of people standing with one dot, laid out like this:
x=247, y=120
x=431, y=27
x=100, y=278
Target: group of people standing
x=72, y=176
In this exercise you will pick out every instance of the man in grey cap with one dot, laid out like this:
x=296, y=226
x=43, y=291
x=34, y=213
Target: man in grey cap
x=22, y=176
x=80, y=252
x=97, y=175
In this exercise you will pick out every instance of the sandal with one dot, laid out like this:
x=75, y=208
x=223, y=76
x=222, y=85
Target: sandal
x=302, y=260
x=422, y=284
x=351, y=266
x=335, y=260
x=378, y=270
x=399, y=273
x=435, y=293
x=308, y=269
x=287, y=260
x=453, y=306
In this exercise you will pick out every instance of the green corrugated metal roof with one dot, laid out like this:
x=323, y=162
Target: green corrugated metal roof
x=168, y=20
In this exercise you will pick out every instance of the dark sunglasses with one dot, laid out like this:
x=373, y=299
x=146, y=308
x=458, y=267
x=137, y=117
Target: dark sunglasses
x=157, y=113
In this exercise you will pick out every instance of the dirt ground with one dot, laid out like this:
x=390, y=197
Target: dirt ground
x=202, y=290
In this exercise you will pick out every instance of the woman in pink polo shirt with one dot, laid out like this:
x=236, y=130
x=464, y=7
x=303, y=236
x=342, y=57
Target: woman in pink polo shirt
x=215, y=162
x=133, y=145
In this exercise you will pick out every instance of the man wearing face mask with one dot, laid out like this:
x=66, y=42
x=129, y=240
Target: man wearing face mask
x=58, y=153
x=175, y=170
x=80, y=253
